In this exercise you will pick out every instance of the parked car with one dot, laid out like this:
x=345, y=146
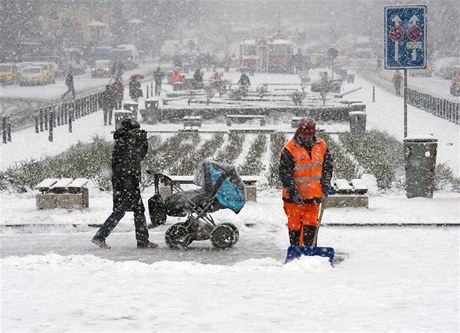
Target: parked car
x=33, y=75
x=8, y=73
x=447, y=67
x=428, y=71
x=101, y=68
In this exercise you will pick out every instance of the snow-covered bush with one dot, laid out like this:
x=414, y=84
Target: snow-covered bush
x=253, y=164
x=232, y=150
x=378, y=153
x=277, y=142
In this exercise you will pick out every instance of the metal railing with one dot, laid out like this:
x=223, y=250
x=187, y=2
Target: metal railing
x=437, y=106
x=64, y=113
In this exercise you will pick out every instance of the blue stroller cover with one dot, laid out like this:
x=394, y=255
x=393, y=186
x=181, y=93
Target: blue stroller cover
x=225, y=179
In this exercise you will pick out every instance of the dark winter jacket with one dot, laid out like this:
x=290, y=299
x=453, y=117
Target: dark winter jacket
x=197, y=76
x=107, y=100
x=287, y=165
x=69, y=80
x=158, y=75
x=244, y=80
x=128, y=152
x=117, y=90
x=135, y=90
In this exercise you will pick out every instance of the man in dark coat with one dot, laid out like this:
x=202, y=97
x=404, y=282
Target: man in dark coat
x=135, y=90
x=197, y=79
x=244, y=80
x=158, y=76
x=70, y=85
x=118, y=91
x=107, y=103
x=129, y=150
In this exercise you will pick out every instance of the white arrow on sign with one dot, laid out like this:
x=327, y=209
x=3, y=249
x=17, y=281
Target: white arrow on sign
x=396, y=20
x=413, y=20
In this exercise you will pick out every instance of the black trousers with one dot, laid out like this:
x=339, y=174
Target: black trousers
x=157, y=88
x=308, y=236
x=140, y=224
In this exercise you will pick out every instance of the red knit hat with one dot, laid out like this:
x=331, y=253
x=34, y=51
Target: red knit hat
x=307, y=126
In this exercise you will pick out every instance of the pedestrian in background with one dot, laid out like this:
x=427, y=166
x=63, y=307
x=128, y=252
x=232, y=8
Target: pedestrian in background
x=70, y=84
x=135, y=91
x=129, y=150
x=158, y=77
x=305, y=170
x=107, y=103
x=397, y=78
x=118, y=92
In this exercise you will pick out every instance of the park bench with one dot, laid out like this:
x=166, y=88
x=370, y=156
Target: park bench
x=231, y=117
x=64, y=193
x=191, y=121
x=295, y=122
x=249, y=184
x=349, y=194
x=167, y=100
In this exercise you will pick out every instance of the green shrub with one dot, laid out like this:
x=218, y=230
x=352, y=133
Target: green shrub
x=252, y=164
x=344, y=167
x=445, y=179
x=277, y=142
x=230, y=152
x=92, y=160
x=378, y=153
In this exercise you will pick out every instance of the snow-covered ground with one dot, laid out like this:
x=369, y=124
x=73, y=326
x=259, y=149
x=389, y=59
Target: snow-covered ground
x=403, y=279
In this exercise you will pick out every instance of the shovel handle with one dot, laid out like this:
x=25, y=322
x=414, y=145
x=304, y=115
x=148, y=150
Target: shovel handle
x=320, y=217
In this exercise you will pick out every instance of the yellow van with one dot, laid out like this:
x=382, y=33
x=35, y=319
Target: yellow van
x=32, y=75
x=8, y=73
x=50, y=70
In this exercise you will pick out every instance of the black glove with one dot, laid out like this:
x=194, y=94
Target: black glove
x=297, y=199
x=143, y=134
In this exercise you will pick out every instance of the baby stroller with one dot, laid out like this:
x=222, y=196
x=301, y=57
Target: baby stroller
x=220, y=187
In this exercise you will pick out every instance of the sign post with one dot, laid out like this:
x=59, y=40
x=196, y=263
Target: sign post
x=405, y=42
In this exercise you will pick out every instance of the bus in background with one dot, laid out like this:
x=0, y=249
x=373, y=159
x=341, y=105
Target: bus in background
x=127, y=55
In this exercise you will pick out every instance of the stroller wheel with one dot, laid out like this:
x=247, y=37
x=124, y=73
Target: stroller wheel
x=177, y=236
x=235, y=229
x=223, y=236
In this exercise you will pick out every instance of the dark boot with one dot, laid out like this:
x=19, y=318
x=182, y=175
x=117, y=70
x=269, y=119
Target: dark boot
x=309, y=232
x=294, y=237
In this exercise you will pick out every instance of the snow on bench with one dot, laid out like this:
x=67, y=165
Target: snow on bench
x=65, y=193
x=349, y=194
x=191, y=121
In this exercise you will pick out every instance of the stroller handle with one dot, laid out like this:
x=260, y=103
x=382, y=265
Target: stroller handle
x=161, y=177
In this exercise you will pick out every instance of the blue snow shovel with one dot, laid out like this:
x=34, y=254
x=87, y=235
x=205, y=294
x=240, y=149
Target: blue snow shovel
x=295, y=252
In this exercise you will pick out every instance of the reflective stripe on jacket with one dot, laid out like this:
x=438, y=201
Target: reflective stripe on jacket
x=307, y=171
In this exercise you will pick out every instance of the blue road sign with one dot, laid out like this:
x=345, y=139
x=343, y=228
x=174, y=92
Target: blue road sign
x=405, y=37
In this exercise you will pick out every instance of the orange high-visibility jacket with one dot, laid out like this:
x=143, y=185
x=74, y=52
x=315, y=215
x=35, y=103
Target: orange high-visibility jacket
x=307, y=171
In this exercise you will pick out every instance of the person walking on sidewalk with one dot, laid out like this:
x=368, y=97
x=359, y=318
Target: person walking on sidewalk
x=107, y=103
x=305, y=171
x=70, y=85
x=129, y=150
x=397, y=78
x=158, y=76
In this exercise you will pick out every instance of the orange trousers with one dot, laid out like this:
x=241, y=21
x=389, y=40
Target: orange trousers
x=300, y=215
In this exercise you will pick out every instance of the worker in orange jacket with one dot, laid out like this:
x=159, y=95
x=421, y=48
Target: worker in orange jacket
x=176, y=77
x=305, y=171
